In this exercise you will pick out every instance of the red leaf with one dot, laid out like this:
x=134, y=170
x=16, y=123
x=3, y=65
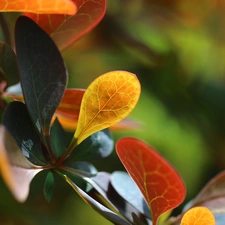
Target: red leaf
x=158, y=181
x=64, y=29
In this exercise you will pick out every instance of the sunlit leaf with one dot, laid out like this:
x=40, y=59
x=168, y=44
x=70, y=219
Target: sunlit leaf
x=43, y=73
x=198, y=216
x=15, y=169
x=97, y=146
x=108, y=99
x=108, y=214
x=64, y=29
x=49, y=186
x=128, y=190
x=17, y=120
x=158, y=181
x=39, y=6
x=8, y=64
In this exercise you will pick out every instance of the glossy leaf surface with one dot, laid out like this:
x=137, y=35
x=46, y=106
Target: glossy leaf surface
x=108, y=100
x=97, y=146
x=39, y=6
x=17, y=120
x=108, y=214
x=64, y=29
x=198, y=216
x=158, y=181
x=43, y=73
x=129, y=191
x=8, y=64
x=49, y=186
x=15, y=169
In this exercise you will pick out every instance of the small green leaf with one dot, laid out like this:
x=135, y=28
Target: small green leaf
x=8, y=64
x=98, y=145
x=17, y=120
x=49, y=186
x=43, y=74
x=59, y=139
x=107, y=213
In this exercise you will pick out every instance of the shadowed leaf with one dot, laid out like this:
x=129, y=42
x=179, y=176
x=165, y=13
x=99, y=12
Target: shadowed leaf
x=15, y=169
x=158, y=181
x=108, y=100
x=64, y=29
x=43, y=73
x=39, y=6
x=108, y=214
x=49, y=186
x=17, y=120
x=8, y=64
x=198, y=216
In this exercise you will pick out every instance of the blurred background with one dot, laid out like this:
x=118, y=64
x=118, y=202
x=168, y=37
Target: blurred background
x=177, y=50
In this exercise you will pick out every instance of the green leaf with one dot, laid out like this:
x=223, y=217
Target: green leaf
x=49, y=186
x=8, y=64
x=15, y=169
x=128, y=190
x=97, y=146
x=42, y=71
x=107, y=213
x=137, y=220
x=17, y=120
x=59, y=139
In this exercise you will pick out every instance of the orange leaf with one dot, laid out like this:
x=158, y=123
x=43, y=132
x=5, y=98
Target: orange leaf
x=15, y=169
x=108, y=99
x=198, y=216
x=64, y=29
x=39, y=6
x=158, y=181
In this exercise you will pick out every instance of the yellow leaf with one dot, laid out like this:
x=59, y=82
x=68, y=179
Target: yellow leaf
x=108, y=99
x=39, y=6
x=198, y=216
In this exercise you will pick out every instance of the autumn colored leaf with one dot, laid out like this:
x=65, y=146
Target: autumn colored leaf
x=108, y=99
x=65, y=29
x=158, y=181
x=15, y=169
x=198, y=216
x=39, y=6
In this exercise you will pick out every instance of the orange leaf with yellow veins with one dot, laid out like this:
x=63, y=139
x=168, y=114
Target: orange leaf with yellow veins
x=108, y=100
x=39, y=6
x=198, y=216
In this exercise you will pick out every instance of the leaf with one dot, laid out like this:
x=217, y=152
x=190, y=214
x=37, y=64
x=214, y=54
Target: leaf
x=158, y=181
x=49, y=186
x=97, y=146
x=17, y=120
x=66, y=30
x=108, y=214
x=15, y=169
x=198, y=216
x=128, y=190
x=8, y=64
x=59, y=139
x=39, y=6
x=108, y=99
x=137, y=220
x=43, y=73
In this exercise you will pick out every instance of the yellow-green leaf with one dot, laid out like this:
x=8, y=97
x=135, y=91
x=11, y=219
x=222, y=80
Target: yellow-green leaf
x=108, y=99
x=39, y=6
x=198, y=216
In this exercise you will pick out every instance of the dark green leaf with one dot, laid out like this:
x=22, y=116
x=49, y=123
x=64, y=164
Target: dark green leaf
x=108, y=214
x=17, y=120
x=128, y=190
x=59, y=139
x=49, y=186
x=42, y=71
x=8, y=64
x=98, y=145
